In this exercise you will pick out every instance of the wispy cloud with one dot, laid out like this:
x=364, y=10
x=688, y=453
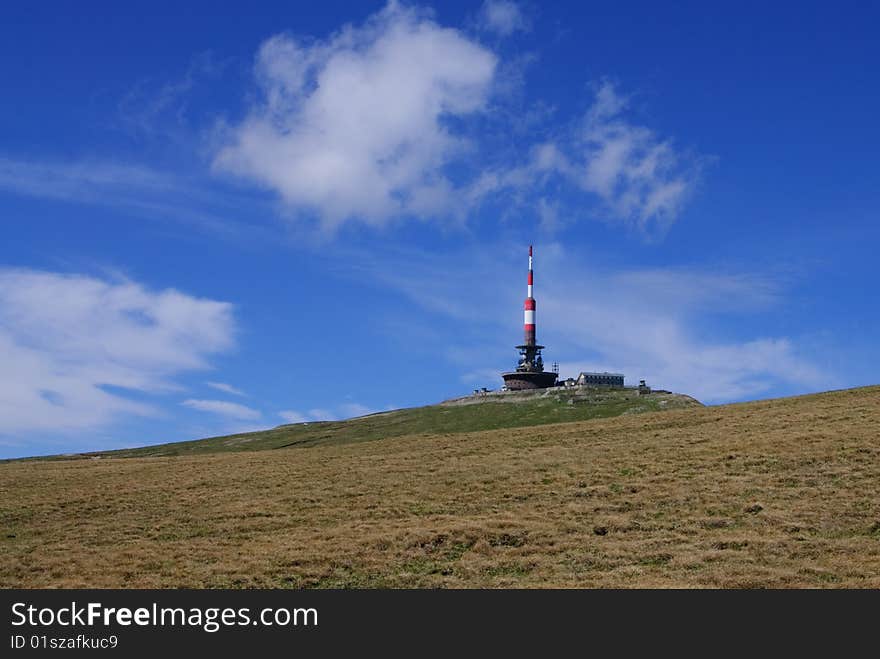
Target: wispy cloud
x=70, y=345
x=136, y=190
x=226, y=388
x=624, y=171
x=164, y=108
x=223, y=408
x=87, y=181
x=502, y=17
x=637, y=174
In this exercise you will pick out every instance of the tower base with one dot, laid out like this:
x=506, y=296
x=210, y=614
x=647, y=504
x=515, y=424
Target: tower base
x=518, y=380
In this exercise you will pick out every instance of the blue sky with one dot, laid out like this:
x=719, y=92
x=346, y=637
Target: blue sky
x=215, y=219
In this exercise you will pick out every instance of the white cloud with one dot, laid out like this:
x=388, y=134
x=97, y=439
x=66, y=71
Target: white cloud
x=355, y=126
x=81, y=181
x=653, y=324
x=637, y=177
x=502, y=16
x=157, y=108
x=134, y=190
x=637, y=174
x=65, y=340
x=223, y=408
x=226, y=388
x=665, y=347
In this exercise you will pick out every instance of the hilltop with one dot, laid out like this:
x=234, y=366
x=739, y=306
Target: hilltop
x=776, y=493
x=490, y=411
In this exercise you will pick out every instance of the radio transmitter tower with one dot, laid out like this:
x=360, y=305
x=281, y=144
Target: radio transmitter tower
x=529, y=373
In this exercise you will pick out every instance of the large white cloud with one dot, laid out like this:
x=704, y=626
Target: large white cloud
x=357, y=125
x=71, y=345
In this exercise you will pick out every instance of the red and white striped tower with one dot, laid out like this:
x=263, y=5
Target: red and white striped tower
x=529, y=307
x=529, y=373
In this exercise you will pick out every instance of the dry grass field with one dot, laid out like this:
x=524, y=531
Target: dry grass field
x=781, y=493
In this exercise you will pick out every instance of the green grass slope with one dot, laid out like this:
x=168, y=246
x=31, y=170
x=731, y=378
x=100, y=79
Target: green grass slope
x=469, y=414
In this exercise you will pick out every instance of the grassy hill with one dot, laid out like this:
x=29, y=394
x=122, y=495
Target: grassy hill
x=468, y=414
x=778, y=493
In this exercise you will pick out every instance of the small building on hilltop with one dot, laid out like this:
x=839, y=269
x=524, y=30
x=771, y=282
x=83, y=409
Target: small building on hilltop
x=611, y=380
